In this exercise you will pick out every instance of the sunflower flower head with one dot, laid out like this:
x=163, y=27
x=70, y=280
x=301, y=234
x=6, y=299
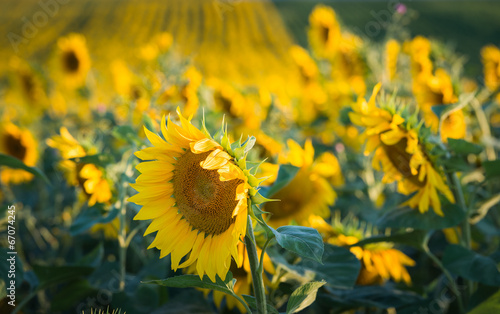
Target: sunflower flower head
x=379, y=261
x=324, y=31
x=74, y=59
x=490, y=57
x=21, y=144
x=89, y=176
x=310, y=192
x=399, y=151
x=195, y=189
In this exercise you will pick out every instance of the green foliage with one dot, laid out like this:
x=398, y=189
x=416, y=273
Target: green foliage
x=407, y=217
x=303, y=241
x=12, y=162
x=470, y=265
x=194, y=281
x=303, y=296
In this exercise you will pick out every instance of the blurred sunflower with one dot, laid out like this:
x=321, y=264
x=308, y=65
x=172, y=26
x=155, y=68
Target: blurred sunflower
x=379, y=261
x=309, y=192
x=397, y=147
x=313, y=97
x=490, y=57
x=196, y=193
x=74, y=59
x=419, y=50
x=436, y=90
x=21, y=144
x=243, y=277
x=246, y=113
x=348, y=64
x=28, y=90
x=392, y=49
x=324, y=31
x=88, y=176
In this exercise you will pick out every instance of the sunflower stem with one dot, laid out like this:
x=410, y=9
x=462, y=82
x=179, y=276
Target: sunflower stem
x=453, y=285
x=122, y=233
x=466, y=224
x=253, y=258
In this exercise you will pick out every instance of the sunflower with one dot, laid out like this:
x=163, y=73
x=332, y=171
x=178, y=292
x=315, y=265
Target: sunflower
x=18, y=143
x=74, y=59
x=392, y=49
x=94, y=184
x=243, y=277
x=379, y=261
x=88, y=176
x=398, y=148
x=313, y=96
x=69, y=148
x=324, y=31
x=310, y=191
x=196, y=193
x=436, y=90
x=246, y=113
x=490, y=57
x=28, y=86
x=419, y=50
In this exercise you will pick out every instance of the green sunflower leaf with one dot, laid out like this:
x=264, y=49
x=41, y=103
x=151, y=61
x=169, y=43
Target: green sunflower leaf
x=470, y=265
x=491, y=305
x=194, y=281
x=463, y=147
x=407, y=217
x=303, y=296
x=101, y=160
x=12, y=162
x=492, y=169
x=52, y=275
x=415, y=238
x=304, y=241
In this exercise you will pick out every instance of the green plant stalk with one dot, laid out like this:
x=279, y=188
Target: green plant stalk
x=447, y=274
x=253, y=258
x=122, y=234
x=466, y=232
x=242, y=302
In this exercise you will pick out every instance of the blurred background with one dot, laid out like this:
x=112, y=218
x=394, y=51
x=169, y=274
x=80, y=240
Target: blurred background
x=30, y=28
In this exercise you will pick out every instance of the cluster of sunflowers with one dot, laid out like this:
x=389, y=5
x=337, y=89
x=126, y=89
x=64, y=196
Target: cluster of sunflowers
x=268, y=185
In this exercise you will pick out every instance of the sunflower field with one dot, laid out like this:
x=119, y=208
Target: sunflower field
x=233, y=156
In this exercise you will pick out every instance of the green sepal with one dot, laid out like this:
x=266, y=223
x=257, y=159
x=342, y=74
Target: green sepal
x=259, y=199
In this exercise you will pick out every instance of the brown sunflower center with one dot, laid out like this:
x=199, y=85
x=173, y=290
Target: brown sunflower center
x=293, y=197
x=238, y=272
x=28, y=85
x=70, y=61
x=324, y=33
x=205, y=202
x=15, y=147
x=400, y=159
